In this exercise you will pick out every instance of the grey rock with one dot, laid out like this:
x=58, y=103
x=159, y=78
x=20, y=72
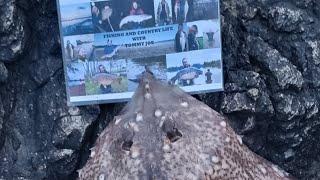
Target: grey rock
x=13, y=36
x=284, y=18
x=288, y=106
x=237, y=102
x=3, y=73
x=280, y=68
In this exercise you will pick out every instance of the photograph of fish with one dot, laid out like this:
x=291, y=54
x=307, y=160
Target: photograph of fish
x=76, y=79
x=136, y=68
x=193, y=10
x=78, y=48
x=106, y=77
x=115, y=15
x=163, y=12
x=201, y=67
x=76, y=19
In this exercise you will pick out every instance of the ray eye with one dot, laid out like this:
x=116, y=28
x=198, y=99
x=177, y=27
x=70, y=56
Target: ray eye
x=126, y=145
x=174, y=135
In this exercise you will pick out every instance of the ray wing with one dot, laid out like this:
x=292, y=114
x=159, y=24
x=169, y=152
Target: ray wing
x=163, y=133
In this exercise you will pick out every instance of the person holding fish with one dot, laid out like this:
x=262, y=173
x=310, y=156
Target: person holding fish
x=135, y=10
x=185, y=64
x=163, y=13
x=105, y=18
x=181, y=40
x=181, y=9
x=104, y=88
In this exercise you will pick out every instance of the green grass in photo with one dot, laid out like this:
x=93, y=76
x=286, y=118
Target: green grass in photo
x=94, y=88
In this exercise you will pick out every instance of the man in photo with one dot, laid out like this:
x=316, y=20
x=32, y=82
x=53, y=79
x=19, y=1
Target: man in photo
x=105, y=18
x=70, y=50
x=163, y=13
x=104, y=89
x=181, y=40
x=181, y=9
x=208, y=76
x=135, y=9
x=95, y=17
x=193, y=43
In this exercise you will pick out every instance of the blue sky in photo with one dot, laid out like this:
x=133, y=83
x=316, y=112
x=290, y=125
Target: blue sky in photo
x=68, y=2
x=72, y=11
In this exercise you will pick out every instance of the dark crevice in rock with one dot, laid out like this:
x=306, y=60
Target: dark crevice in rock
x=92, y=132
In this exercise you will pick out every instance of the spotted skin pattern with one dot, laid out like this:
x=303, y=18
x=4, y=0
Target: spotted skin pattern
x=169, y=135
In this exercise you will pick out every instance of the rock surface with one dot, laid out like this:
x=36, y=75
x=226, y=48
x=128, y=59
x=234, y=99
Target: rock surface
x=271, y=58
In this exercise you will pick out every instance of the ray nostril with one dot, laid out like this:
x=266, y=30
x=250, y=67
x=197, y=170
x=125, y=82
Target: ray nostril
x=126, y=145
x=174, y=135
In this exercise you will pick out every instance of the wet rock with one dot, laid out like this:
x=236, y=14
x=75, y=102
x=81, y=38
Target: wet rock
x=288, y=106
x=285, y=73
x=3, y=73
x=284, y=18
x=12, y=39
x=1, y=124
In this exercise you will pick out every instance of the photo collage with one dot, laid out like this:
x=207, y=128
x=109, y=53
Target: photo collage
x=109, y=44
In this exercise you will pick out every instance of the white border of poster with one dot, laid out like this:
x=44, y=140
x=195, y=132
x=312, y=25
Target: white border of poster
x=107, y=45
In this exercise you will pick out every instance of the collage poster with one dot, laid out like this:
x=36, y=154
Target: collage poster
x=108, y=44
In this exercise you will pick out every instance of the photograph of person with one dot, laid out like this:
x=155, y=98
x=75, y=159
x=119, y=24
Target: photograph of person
x=197, y=35
x=79, y=48
x=105, y=77
x=76, y=19
x=76, y=79
x=193, y=42
x=137, y=67
x=163, y=12
x=140, y=14
x=194, y=68
x=136, y=9
x=181, y=41
x=203, y=10
x=104, y=17
x=194, y=10
x=181, y=10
